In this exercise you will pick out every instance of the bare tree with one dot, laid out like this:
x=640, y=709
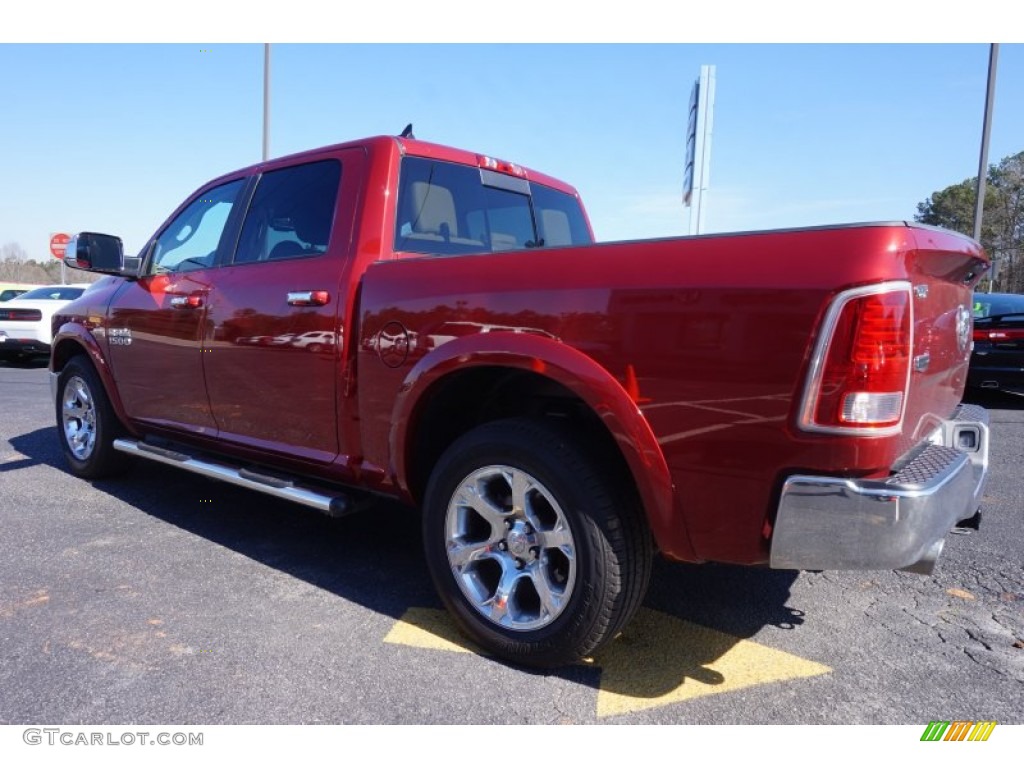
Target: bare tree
x=13, y=263
x=16, y=267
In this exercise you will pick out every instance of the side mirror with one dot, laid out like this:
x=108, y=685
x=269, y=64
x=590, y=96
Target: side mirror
x=94, y=252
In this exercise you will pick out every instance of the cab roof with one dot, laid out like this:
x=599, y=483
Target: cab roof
x=404, y=146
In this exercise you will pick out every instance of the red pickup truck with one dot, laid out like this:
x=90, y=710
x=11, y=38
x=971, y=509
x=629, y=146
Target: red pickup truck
x=399, y=318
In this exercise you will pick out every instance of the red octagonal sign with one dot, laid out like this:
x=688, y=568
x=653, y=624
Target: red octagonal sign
x=57, y=243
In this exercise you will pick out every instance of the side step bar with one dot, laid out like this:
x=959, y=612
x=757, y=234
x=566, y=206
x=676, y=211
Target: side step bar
x=336, y=505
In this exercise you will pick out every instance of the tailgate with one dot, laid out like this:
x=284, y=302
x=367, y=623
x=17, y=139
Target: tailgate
x=899, y=517
x=943, y=270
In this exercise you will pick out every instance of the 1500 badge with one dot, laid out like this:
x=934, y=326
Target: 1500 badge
x=119, y=336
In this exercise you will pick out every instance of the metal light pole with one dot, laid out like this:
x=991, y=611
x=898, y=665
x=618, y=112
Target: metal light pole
x=266, y=101
x=979, y=205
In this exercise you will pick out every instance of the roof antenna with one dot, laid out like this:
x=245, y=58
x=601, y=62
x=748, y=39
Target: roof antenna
x=407, y=133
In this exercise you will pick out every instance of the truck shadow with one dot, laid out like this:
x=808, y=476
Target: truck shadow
x=995, y=399
x=692, y=637
x=39, y=447
x=693, y=616
x=25, y=362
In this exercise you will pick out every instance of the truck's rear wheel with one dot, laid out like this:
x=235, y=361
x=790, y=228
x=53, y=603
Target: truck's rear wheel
x=86, y=421
x=537, y=550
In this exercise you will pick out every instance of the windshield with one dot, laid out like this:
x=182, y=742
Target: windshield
x=447, y=208
x=54, y=293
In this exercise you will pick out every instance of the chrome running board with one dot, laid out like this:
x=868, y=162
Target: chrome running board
x=336, y=505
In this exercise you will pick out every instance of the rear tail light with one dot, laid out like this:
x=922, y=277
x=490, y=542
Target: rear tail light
x=21, y=314
x=1003, y=334
x=861, y=366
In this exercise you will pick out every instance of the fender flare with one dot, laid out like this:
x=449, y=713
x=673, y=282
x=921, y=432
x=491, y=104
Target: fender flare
x=78, y=337
x=575, y=371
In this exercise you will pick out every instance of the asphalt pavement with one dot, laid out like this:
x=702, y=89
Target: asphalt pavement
x=161, y=597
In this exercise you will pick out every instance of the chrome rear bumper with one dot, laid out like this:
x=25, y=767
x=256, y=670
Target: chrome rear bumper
x=833, y=523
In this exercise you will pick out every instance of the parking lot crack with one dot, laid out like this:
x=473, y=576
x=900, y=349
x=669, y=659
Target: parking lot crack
x=912, y=613
x=995, y=618
x=978, y=639
x=982, y=662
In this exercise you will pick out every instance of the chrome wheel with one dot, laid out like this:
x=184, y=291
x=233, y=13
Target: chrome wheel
x=78, y=417
x=86, y=421
x=510, y=548
x=535, y=542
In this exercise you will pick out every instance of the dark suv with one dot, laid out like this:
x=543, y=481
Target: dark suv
x=997, y=361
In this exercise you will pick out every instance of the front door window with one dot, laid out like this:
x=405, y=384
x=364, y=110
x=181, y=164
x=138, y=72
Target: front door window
x=194, y=238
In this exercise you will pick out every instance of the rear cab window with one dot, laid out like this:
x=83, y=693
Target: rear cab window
x=446, y=209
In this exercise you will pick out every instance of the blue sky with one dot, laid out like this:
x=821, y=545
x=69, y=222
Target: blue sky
x=111, y=137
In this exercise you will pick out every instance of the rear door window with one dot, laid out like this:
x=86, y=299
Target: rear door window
x=291, y=214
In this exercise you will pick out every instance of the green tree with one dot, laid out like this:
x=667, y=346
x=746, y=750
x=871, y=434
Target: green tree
x=1002, y=232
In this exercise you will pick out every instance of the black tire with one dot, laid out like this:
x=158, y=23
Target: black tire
x=86, y=422
x=574, y=555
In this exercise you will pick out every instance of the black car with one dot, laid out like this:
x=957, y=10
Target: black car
x=998, y=358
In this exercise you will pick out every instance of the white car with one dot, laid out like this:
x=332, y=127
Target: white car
x=25, y=321
x=314, y=341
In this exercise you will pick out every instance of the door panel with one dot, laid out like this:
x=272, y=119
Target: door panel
x=274, y=355
x=269, y=386
x=158, y=323
x=155, y=330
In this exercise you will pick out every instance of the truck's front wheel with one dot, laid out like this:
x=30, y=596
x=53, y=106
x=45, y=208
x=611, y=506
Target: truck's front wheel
x=537, y=550
x=86, y=421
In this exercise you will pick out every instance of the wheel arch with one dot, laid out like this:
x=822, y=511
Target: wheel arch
x=472, y=380
x=75, y=339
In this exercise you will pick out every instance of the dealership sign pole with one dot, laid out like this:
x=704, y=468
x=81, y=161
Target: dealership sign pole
x=697, y=171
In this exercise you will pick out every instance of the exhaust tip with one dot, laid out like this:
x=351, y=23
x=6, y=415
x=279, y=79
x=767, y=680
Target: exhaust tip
x=972, y=523
x=926, y=565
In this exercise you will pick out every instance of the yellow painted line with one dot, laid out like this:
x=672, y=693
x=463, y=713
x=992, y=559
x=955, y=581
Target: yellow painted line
x=658, y=660
x=661, y=660
x=429, y=628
